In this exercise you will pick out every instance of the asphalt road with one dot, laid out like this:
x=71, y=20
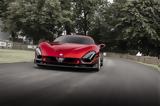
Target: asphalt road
x=120, y=82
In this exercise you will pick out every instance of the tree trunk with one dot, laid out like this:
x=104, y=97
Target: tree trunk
x=85, y=28
x=68, y=29
x=13, y=35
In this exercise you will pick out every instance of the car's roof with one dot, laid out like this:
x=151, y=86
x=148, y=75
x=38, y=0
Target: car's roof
x=79, y=36
x=81, y=39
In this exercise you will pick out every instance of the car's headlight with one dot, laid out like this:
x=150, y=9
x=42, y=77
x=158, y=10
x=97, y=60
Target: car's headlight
x=104, y=54
x=38, y=52
x=89, y=57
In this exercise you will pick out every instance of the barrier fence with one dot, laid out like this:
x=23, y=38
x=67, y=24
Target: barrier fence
x=144, y=59
x=15, y=45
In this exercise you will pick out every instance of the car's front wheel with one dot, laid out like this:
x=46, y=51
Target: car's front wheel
x=40, y=66
x=98, y=65
x=101, y=60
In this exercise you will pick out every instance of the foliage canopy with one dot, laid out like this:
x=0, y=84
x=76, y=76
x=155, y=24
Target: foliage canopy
x=123, y=25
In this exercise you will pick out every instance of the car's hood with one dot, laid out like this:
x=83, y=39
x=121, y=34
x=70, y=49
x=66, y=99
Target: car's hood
x=68, y=50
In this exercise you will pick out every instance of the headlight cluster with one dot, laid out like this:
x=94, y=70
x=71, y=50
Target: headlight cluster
x=89, y=57
x=38, y=52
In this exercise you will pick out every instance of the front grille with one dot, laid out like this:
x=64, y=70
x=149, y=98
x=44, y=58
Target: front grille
x=53, y=60
x=69, y=60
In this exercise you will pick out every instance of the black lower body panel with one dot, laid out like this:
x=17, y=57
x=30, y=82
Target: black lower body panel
x=56, y=64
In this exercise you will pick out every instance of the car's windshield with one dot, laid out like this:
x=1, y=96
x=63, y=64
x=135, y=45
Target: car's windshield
x=75, y=39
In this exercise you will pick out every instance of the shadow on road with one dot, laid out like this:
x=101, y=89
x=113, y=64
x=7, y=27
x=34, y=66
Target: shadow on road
x=66, y=69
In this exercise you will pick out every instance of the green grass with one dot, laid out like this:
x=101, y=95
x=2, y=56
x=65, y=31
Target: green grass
x=11, y=56
x=151, y=65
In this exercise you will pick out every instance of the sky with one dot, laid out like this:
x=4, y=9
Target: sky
x=110, y=1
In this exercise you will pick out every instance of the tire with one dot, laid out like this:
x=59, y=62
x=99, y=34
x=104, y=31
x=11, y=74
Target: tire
x=98, y=66
x=101, y=61
x=40, y=66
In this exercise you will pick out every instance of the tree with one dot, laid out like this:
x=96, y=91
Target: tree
x=139, y=23
x=3, y=7
x=66, y=6
x=122, y=25
x=84, y=11
x=35, y=18
x=125, y=25
x=99, y=27
x=104, y=23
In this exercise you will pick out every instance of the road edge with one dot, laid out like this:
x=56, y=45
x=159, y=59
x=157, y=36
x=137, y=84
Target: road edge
x=150, y=65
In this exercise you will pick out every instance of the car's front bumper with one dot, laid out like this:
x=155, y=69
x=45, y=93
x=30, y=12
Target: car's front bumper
x=42, y=63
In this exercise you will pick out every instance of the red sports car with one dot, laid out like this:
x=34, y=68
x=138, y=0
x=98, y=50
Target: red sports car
x=70, y=51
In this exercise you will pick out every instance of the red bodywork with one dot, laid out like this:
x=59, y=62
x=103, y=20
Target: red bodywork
x=72, y=52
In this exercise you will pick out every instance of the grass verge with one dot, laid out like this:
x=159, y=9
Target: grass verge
x=151, y=65
x=12, y=56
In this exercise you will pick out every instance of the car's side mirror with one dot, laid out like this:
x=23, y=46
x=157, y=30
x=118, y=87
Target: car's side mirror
x=102, y=46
